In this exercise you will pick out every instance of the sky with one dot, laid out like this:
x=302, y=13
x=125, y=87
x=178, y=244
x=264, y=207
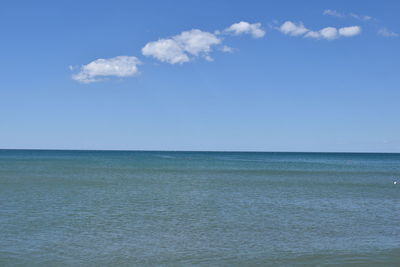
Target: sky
x=200, y=75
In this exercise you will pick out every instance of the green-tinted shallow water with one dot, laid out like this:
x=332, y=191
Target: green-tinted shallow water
x=76, y=208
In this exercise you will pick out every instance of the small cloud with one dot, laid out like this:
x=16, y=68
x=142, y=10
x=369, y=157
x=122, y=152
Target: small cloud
x=360, y=17
x=208, y=58
x=182, y=47
x=350, y=31
x=387, y=33
x=227, y=49
x=121, y=66
x=243, y=27
x=293, y=29
x=313, y=34
x=327, y=33
x=331, y=33
x=337, y=14
x=166, y=50
x=333, y=13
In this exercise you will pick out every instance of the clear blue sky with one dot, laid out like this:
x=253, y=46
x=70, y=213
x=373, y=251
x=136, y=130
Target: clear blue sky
x=277, y=92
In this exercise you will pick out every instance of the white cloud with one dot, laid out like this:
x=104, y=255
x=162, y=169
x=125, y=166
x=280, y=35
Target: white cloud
x=293, y=29
x=327, y=33
x=227, y=49
x=196, y=42
x=244, y=27
x=331, y=33
x=360, y=17
x=313, y=34
x=208, y=58
x=121, y=66
x=333, y=13
x=350, y=31
x=165, y=50
x=179, y=48
x=387, y=33
x=337, y=14
x=355, y=30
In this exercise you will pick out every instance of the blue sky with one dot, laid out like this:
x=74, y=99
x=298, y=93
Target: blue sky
x=294, y=76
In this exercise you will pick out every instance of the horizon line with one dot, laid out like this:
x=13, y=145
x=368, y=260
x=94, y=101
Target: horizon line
x=200, y=151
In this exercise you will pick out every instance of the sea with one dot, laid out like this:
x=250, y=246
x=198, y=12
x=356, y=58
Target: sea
x=155, y=208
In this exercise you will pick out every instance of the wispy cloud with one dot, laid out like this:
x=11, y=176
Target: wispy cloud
x=227, y=49
x=327, y=33
x=334, y=13
x=382, y=31
x=360, y=17
x=121, y=66
x=244, y=27
x=387, y=33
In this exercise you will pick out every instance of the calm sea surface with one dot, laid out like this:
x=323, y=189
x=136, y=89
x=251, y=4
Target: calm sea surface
x=96, y=208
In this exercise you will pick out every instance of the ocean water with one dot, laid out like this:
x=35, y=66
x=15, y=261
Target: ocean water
x=97, y=208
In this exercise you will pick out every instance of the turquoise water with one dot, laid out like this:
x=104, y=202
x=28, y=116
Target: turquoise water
x=96, y=208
